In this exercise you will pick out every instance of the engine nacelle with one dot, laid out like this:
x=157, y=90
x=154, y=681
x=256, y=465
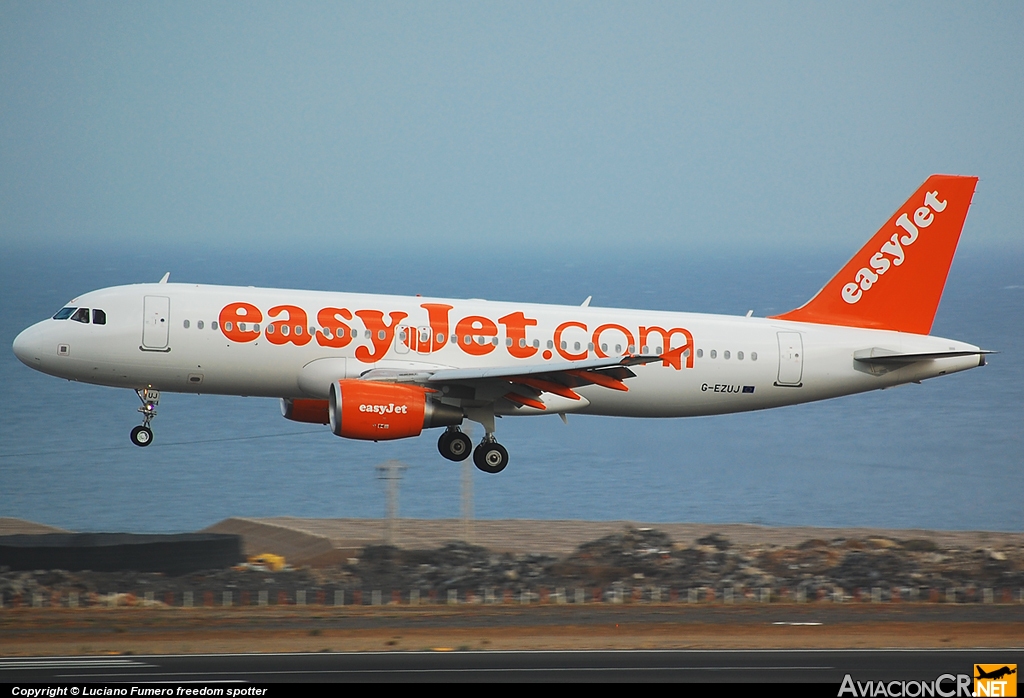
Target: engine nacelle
x=382, y=411
x=303, y=410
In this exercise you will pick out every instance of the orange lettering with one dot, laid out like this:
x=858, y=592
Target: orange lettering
x=437, y=316
x=380, y=334
x=565, y=353
x=293, y=329
x=597, y=339
x=670, y=356
x=475, y=326
x=240, y=313
x=515, y=329
x=332, y=319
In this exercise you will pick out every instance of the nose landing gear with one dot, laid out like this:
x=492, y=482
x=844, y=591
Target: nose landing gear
x=142, y=435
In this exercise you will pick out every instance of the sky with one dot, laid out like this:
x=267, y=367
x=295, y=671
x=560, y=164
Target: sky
x=540, y=128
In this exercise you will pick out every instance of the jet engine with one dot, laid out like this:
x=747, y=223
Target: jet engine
x=382, y=411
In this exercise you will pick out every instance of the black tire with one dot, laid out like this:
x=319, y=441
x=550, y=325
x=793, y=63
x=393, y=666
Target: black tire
x=455, y=446
x=490, y=457
x=142, y=436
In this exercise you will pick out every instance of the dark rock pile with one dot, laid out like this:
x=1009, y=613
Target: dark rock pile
x=636, y=564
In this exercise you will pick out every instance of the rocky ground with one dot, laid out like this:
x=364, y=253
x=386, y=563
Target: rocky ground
x=637, y=564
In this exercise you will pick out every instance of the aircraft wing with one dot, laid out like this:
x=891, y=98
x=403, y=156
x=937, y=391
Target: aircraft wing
x=522, y=385
x=459, y=374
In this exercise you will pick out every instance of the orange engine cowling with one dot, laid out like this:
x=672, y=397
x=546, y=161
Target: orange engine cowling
x=381, y=411
x=303, y=410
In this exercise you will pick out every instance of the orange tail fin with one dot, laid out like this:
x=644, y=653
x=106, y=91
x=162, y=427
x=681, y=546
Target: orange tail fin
x=896, y=280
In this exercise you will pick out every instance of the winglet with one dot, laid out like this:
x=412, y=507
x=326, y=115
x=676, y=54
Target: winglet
x=895, y=281
x=163, y=279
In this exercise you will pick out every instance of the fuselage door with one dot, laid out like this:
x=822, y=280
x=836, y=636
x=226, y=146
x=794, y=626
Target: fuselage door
x=404, y=338
x=156, y=318
x=791, y=359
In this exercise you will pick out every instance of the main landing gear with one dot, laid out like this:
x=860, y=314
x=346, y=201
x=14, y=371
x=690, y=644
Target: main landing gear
x=142, y=435
x=454, y=445
x=489, y=456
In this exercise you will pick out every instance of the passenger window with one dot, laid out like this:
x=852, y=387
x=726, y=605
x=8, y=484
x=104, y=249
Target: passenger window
x=714, y=354
x=739, y=355
x=725, y=355
x=99, y=317
x=753, y=356
x=700, y=353
x=64, y=313
x=213, y=325
x=81, y=315
x=186, y=323
x=199, y=324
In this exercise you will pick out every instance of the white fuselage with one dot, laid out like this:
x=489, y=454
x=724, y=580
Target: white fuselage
x=152, y=338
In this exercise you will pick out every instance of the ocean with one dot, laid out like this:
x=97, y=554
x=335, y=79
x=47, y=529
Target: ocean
x=946, y=454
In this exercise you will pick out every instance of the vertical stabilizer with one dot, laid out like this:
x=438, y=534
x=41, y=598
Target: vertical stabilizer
x=895, y=281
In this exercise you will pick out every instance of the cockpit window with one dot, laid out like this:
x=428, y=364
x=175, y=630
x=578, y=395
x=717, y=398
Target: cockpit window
x=64, y=313
x=99, y=317
x=81, y=315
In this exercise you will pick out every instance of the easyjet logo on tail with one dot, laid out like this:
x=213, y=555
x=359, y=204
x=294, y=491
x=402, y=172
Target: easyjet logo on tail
x=893, y=252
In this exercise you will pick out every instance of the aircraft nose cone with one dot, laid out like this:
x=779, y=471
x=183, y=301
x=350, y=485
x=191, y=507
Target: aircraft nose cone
x=26, y=348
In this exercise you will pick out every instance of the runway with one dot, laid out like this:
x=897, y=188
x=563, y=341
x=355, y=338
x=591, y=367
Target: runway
x=701, y=666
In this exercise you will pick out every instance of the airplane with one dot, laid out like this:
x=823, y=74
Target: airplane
x=996, y=673
x=379, y=367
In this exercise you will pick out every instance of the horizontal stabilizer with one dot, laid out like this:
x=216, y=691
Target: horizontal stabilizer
x=877, y=355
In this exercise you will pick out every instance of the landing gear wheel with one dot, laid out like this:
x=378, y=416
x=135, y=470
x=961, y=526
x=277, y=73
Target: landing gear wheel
x=454, y=445
x=491, y=457
x=142, y=436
